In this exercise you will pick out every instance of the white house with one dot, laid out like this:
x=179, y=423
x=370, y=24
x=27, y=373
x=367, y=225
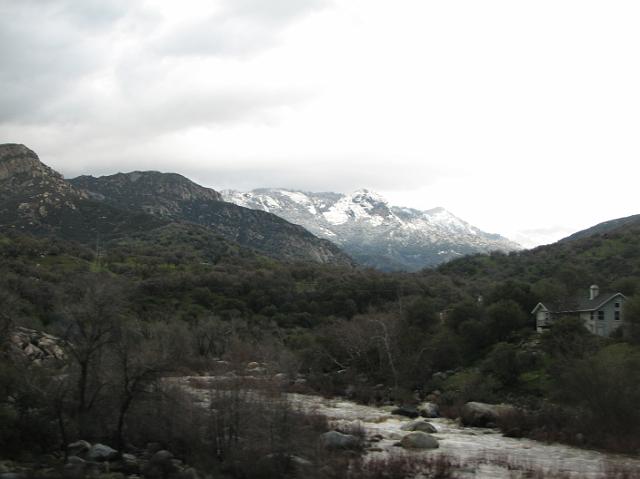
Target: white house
x=601, y=312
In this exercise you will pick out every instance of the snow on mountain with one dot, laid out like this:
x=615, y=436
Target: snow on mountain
x=372, y=231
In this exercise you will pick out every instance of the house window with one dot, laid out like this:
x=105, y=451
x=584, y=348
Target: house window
x=593, y=315
x=616, y=315
x=617, y=305
x=601, y=315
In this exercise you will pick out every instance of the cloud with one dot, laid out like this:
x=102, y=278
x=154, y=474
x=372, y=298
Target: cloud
x=104, y=65
x=237, y=27
x=43, y=55
x=528, y=102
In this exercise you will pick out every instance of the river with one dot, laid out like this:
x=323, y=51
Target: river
x=481, y=453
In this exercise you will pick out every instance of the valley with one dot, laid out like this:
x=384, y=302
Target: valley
x=114, y=285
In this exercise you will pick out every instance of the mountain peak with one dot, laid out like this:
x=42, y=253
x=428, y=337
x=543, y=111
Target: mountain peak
x=18, y=160
x=365, y=195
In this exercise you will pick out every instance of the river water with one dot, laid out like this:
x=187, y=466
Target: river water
x=481, y=453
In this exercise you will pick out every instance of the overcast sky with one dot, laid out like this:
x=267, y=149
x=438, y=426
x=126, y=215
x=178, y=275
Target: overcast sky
x=522, y=118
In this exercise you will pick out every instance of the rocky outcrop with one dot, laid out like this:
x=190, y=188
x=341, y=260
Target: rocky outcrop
x=151, y=463
x=30, y=188
x=35, y=346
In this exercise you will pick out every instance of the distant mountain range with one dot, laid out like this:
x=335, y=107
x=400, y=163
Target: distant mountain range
x=36, y=199
x=289, y=225
x=372, y=231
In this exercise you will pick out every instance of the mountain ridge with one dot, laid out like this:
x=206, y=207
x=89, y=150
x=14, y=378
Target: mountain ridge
x=175, y=197
x=605, y=227
x=371, y=230
x=36, y=199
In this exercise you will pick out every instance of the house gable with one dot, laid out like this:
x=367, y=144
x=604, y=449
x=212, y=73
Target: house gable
x=601, y=313
x=539, y=306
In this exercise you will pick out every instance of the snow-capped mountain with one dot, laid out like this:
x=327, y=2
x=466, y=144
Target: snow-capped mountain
x=374, y=232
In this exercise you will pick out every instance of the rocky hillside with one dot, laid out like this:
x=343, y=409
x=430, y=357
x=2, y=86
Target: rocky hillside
x=174, y=197
x=374, y=232
x=36, y=199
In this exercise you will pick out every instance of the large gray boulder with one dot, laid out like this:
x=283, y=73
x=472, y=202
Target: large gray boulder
x=478, y=414
x=161, y=465
x=420, y=425
x=338, y=440
x=419, y=440
x=101, y=452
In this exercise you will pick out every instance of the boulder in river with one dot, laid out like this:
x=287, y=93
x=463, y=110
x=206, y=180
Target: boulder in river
x=419, y=440
x=337, y=440
x=478, y=414
x=407, y=411
x=419, y=425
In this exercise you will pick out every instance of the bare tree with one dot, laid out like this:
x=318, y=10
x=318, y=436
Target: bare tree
x=91, y=313
x=138, y=360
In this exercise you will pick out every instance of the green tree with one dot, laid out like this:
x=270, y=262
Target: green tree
x=504, y=318
x=502, y=363
x=632, y=319
x=607, y=387
x=568, y=339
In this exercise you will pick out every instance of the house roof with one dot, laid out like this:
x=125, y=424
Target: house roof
x=579, y=303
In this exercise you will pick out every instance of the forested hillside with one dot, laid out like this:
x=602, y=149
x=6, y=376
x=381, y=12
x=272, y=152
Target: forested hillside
x=374, y=336
x=610, y=259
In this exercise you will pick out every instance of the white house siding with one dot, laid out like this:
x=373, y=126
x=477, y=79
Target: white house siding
x=542, y=322
x=589, y=324
x=606, y=326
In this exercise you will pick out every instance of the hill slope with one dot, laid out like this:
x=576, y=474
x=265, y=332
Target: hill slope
x=610, y=259
x=604, y=227
x=176, y=198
